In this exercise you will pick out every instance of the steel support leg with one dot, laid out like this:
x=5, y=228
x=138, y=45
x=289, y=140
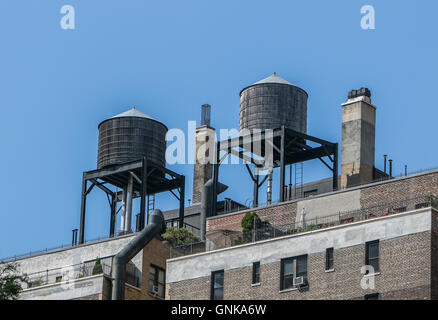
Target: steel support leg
x=335, y=168
x=143, y=194
x=83, y=206
x=282, y=165
x=182, y=201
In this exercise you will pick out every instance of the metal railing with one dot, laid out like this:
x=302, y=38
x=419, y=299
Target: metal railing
x=67, y=246
x=380, y=179
x=53, y=249
x=174, y=224
x=76, y=271
x=270, y=231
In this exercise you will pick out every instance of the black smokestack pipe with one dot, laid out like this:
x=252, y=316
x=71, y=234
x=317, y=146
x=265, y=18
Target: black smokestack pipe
x=406, y=170
x=207, y=203
x=384, y=162
x=156, y=226
x=390, y=167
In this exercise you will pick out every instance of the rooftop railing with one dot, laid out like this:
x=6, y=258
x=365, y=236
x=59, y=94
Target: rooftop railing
x=68, y=246
x=76, y=271
x=269, y=231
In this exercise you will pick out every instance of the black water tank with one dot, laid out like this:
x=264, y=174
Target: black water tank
x=131, y=136
x=271, y=103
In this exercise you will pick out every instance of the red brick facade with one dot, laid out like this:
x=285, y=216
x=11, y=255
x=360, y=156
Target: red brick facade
x=395, y=191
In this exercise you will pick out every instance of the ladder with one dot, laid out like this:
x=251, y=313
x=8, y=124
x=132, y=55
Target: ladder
x=151, y=204
x=298, y=180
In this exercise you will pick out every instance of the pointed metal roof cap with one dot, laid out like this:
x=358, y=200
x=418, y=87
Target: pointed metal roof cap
x=133, y=113
x=274, y=79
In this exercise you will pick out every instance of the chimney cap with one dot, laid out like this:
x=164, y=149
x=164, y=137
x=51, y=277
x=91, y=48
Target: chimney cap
x=358, y=93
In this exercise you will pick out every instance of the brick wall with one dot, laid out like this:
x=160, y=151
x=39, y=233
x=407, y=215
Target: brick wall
x=434, y=256
x=395, y=191
x=156, y=253
x=398, y=190
x=405, y=264
x=277, y=215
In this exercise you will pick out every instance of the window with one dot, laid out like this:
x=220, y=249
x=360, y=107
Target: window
x=302, y=266
x=217, y=285
x=156, y=281
x=256, y=272
x=329, y=255
x=373, y=296
x=289, y=267
x=287, y=273
x=372, y=254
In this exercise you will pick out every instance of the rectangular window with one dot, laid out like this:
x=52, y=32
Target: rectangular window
x=329, y=256
x=256, y=272
x=156, y=281
x=217, y=285
x=373, y=296
x=287, y=273
x=372, y=254
x=302, y=266
x=290, y=268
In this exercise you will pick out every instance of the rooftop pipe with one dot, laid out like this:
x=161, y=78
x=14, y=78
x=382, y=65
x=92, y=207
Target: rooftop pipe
x=155, y=227
x=207, y=203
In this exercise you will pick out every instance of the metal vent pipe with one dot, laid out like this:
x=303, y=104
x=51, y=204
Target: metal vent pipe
x=207, y=203
x=390, y=168
x=155, y=227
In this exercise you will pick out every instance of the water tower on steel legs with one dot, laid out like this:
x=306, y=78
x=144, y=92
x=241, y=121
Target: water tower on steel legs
x=273, y=118
x=130, y=165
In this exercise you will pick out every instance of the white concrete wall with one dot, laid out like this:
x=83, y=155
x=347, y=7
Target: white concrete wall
x=77, y=255
x=65, y=290
x=329, y=205
x=268, y=251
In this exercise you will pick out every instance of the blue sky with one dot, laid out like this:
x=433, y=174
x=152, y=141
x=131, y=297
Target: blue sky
x=169, y=57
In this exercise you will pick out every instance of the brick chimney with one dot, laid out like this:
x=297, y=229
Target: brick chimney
x=358, y=138
x=204, y=154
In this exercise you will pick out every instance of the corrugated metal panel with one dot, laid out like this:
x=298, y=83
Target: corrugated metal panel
x=271, y=105
x=124, y=139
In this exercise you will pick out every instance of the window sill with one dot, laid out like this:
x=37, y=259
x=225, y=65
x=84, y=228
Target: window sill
x=288, y=290
x=256, y=284
x=329, y=270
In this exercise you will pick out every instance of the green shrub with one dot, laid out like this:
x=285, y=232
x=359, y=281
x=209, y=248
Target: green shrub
x=179, y=236
x=97, y=269
x=249, y=220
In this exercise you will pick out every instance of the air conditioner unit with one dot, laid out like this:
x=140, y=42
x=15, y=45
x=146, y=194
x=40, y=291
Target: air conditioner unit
x=155, y=290
x=298, y=281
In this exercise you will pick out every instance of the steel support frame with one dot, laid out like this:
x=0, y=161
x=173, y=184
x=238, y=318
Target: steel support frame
x=177, y=182
x=326, y=149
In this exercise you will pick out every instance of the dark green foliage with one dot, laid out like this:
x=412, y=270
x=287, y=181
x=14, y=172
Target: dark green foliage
x=250, y=220
x=10, y=281
x=433, y=200
x=179, y=236
x=97, y=269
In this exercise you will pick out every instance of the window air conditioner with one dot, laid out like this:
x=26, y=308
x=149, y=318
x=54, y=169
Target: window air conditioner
x=298, y=281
